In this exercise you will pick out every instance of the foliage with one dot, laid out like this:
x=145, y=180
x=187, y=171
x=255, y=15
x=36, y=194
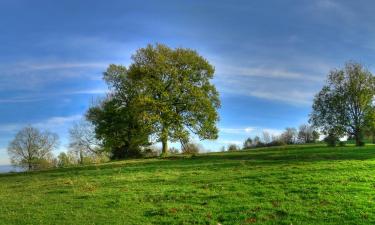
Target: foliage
x=177, y=97
x=341, y=107
x=151, y=151
x=233, y=147
x=287, y=185
x=331, y=140
x=117, y=121
x=66, y=160
x=32, y=148
x=248, y=143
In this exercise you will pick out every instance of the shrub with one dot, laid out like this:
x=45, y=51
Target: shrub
x=276, y=143
x=331, y=140
x=233, y=147
x=96, y=158
x=191, y=149
x=65, y=160
x=174, y=150
x=151, y=151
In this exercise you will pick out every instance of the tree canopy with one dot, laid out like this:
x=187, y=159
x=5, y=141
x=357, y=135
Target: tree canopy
x=344, y=103
x=117, y=118
x=164, y=95
x=176, y=93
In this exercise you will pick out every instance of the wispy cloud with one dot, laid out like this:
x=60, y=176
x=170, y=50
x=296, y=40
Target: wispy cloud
x=267, y=73
x=250, y=131
x=237, y=130
x=52, y=123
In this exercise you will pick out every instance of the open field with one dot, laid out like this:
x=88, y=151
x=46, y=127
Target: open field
x=288, y=185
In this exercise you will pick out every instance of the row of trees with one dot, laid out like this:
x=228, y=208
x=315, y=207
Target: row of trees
x=305, y=134
x=33, y=148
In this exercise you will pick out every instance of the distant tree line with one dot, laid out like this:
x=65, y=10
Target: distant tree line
x=304, y=135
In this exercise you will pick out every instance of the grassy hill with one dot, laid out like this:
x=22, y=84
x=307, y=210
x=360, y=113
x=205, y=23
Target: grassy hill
x=288, y=185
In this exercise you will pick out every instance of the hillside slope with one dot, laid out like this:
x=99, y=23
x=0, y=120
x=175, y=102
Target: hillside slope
x=288, y=185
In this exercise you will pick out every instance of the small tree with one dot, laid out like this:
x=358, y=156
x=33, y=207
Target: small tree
x=289, y=136
x=307, y=134
x=191, y=148
x=266, y=137
x=32, y=148
x=64, y=160
x=233, y=147
x=257, y=141
x=83, y=141
x=248, y=143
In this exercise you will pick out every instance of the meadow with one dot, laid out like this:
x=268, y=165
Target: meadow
x=301, y=184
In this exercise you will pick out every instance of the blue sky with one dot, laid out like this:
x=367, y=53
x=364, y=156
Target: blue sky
x=271, y=57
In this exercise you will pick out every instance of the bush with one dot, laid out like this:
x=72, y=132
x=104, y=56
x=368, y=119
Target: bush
x=331, y=140
x=65, y=160
x=191, y=149
x=151, y=151
x=174, y=150
x=233, y=147
x=43, y=164
x=276, y=143
x=97, y=158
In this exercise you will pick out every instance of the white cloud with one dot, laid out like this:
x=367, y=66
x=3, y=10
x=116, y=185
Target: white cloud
x=267, y=73
x=250, y=131
x=49, y=123
x=294, y=97
x=237, y=130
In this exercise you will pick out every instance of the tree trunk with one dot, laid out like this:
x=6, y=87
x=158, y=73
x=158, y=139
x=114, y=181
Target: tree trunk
x=358, y=137
x=164, y=141
x=80, y=157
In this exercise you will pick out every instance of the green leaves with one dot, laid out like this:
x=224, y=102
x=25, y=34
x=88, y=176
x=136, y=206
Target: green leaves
x=343, y=104
x=164, y=93
x=176, y=92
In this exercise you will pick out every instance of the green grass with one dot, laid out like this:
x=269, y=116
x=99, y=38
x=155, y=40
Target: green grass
x=289, y=185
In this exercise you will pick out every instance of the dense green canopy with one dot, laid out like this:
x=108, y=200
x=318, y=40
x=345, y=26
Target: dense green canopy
x=344, y=103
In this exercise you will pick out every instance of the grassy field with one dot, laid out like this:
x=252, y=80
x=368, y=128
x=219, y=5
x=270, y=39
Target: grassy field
x=288, y=185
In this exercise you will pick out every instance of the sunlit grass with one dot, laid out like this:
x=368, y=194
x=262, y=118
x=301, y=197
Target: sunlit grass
x=284, y=185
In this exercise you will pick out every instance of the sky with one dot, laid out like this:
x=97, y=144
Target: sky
x=270, y=57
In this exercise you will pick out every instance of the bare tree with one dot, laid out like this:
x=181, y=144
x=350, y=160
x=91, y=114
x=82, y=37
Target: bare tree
x=32, y=147
x=83, y=141
x=307, y=134
x=289, y=136
x=266, y=137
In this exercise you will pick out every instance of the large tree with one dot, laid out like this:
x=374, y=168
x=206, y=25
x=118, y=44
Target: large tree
x=176, y=93
x=32, y=147
x=344, y=103
x=116, y=118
